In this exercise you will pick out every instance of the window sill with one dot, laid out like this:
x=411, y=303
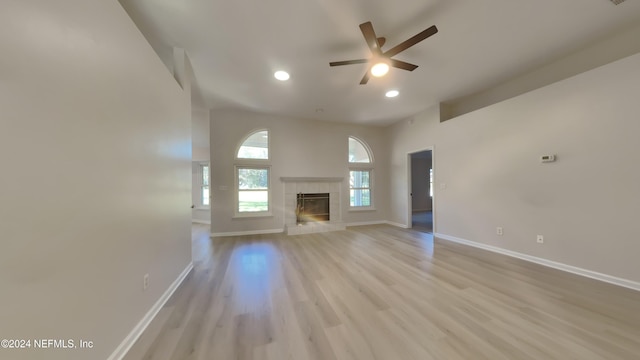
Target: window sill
x=252, y=215
x=359, y=209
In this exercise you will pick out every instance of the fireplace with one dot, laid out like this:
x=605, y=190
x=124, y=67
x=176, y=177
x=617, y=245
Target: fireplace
x=325, y=214
x=312, y=207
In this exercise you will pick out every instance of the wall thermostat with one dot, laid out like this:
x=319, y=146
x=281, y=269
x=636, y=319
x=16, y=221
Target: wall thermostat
x=547, y=158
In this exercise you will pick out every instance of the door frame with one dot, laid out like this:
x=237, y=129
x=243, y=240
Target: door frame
x=410, y=186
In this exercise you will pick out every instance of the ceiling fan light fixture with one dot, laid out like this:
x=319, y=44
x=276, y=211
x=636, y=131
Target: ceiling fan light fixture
x=281, y=75
x=392, y=93
x=383, y=60
x=380, y=69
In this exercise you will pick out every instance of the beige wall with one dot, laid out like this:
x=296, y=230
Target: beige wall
x=299, y=148
x=584, y=204
x=95, y=147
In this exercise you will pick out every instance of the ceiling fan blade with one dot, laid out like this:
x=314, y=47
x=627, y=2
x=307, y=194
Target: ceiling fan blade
x=365, y=78
x=348, y=62
x=370, y=37
x=403, y=65
x=411, y=41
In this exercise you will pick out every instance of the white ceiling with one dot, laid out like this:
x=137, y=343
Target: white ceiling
x=235, y=46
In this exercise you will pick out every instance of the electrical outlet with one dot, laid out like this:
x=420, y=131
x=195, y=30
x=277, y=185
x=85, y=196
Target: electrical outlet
x=499, y=230
x=145, y=282
x=540, y=239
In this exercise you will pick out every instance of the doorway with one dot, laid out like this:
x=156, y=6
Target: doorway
x=421, y=190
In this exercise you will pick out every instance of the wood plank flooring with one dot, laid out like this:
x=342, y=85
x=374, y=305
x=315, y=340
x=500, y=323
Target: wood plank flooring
x=380, y=292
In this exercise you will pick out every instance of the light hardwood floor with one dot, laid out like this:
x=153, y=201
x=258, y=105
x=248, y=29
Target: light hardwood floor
x=380, y=292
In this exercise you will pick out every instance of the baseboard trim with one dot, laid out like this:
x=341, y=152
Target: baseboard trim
x=544, y=262
x=392, y=223
x=252, y=232
x=364, y=223
x=133, y=336
x=197, y=221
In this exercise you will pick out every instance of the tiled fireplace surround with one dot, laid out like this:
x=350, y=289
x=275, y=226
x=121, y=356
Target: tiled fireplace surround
x=307, y=185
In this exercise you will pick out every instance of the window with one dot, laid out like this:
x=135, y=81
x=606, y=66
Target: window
x=200, y=186
x=358, y=152
x=359, y=188
x=204, y=191
x=255, y=146
x=360, y=174
x=252, y=175
x=431, y=182
x=253, y=189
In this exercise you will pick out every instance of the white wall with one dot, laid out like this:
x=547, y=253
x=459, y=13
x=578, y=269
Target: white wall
x=611, y=47
x=200, y=134
x=95, y=187
x=585, y=204
x=299, y=148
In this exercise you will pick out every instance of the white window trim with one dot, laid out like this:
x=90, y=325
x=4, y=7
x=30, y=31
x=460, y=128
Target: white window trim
x=199, y=205
x=205, y=206
x=249, y=163
x=256, y=214
x=366, y=147
x=362, y=167
x=244, y=139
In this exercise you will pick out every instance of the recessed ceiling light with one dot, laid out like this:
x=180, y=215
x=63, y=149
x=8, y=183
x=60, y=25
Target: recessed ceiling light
x=379, y=69
x=281, y=75
x=392, y=93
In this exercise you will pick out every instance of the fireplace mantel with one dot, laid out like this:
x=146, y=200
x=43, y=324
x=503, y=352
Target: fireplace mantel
x=311, y=179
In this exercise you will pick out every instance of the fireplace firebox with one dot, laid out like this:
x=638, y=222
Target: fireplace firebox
x=312, y=207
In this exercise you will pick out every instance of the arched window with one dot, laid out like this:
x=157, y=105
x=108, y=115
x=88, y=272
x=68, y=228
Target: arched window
x=360, y=175
x=253, y=175
x=255, y=146
x=358, y=151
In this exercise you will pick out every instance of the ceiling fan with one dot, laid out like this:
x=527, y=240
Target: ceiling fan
x=381, y=60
